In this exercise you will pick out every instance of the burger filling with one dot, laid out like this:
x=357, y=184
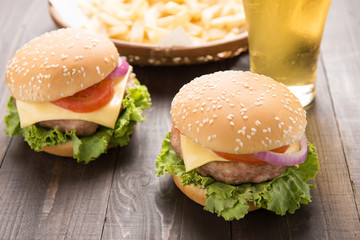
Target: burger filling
x=83, y=128
x=227, y=171
x=85, y=107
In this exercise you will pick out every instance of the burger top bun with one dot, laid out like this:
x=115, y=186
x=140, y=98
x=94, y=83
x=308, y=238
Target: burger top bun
x=59, y=64
x=238, y=112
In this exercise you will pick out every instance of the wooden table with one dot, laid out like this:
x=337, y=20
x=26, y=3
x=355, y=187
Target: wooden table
x=119, y=197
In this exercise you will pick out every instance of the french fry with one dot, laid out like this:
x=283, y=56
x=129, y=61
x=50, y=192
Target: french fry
x=149, y=21
x=137, y=32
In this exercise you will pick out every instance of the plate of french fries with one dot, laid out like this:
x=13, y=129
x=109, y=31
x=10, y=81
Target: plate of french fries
x=161, y=32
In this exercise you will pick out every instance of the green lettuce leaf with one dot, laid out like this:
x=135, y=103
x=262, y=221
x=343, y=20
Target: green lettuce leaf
x=12, y=120
x=91, y=147
x=280, y=195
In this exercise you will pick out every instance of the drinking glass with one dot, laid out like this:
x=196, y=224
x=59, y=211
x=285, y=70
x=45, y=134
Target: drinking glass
x=284, y=41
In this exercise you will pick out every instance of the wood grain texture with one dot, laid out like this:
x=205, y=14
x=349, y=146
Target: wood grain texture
x=119, y=197
x=48, y=197
x=334, y=190
x=341, y=56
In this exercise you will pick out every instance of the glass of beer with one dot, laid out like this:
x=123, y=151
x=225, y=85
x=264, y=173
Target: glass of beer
x=284, y=41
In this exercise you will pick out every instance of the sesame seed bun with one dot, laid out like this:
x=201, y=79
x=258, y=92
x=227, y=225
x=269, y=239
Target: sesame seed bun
x=238, y=112
x=198, y=195
x=59, y=64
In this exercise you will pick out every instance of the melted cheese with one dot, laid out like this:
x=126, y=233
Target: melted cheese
x=195, y=155
x=33, y=112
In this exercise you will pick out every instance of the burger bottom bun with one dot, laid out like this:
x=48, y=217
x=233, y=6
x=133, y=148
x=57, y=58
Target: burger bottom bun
x=63, y=150
x=198, y=195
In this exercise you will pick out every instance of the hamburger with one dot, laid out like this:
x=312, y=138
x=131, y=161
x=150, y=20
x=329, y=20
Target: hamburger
x=238, y=144
x=72, y=95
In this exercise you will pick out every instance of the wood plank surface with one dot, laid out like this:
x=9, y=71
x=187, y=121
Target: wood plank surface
x=119, y=197
x=341, y=56
x=48, y=197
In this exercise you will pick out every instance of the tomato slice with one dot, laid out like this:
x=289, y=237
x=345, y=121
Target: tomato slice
x=244, y=158
x=281, y=149
x=89, y=99
x=248, y=158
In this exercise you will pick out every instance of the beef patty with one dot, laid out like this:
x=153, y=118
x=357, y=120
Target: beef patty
x=232, y=172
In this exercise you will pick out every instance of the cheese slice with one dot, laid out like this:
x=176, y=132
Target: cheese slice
x=33, y=112
x=195, y=155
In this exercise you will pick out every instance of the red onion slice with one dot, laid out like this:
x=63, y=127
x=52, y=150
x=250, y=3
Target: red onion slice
x=121, y=69
x=284, y=159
